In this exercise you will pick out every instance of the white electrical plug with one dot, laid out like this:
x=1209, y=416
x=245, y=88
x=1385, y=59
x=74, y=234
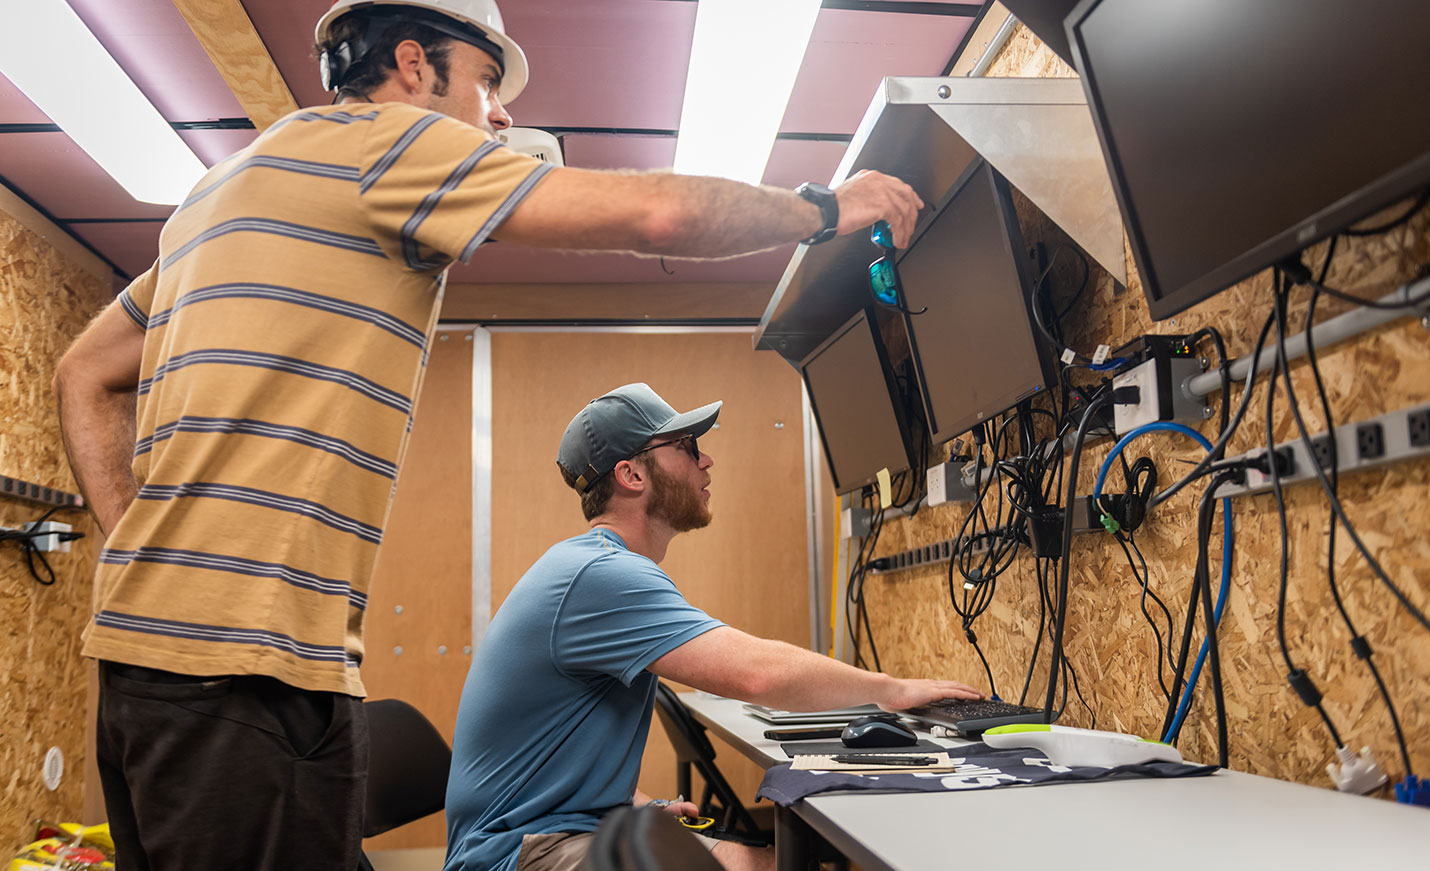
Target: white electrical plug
x=52, y=541
x=1357, y=773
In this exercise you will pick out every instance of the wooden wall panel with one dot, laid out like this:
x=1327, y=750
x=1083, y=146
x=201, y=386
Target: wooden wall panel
x=421, y=597
x=1109, y=643
x=557, y=303
x=47, y=295
x=749, y=567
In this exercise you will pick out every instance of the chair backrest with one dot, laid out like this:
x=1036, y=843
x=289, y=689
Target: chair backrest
x=408, y=761
x=686, y=735
x=646, y=839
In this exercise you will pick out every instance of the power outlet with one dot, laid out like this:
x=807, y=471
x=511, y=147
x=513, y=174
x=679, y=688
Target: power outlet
x=1322, y=446
x=1419, y=423
x=51, y=541
x=1402, y=434
x=1370, y=441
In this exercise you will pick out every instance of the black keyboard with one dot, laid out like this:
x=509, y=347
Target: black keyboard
x=971, y=717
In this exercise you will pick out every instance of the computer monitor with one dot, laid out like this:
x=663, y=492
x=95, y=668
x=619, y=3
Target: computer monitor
x=1238, y=132
x=1045, y=19
x=855, y=399
x=976, y=347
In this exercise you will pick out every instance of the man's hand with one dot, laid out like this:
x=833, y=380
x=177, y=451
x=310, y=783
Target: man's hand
x=912, y=693
x=870, y=196
x=679, y=809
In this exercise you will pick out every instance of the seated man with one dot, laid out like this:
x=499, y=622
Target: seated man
x=558, y=701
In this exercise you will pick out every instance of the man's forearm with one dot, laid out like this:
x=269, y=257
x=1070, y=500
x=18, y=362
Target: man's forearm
x=801, y=680
x=713, y=217
x=98, y=430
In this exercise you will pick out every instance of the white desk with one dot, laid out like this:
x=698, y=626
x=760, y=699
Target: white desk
x=1228, y=820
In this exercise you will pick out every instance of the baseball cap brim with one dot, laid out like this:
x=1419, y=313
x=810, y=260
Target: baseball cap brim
x=696, y=422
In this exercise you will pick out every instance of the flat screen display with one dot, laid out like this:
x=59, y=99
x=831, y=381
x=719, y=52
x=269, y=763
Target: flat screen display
x=976, y=347
x=1240, y=131
x=853, y=395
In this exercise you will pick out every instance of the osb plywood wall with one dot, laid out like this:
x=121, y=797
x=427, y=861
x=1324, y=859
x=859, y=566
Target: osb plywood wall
x=46, y=298
x=1109, y=643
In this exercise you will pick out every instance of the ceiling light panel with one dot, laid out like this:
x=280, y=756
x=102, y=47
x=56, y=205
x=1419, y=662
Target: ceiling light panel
x=743, y=63
x=83, y=90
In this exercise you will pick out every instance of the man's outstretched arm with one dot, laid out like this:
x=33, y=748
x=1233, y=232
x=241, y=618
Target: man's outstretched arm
x=95, y=383
x=738, y=665
x=693, y=216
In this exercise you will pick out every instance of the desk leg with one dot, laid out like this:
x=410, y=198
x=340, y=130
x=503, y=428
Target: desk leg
x=793, y=839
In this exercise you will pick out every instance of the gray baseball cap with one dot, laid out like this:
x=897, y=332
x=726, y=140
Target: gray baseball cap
x=614, y=426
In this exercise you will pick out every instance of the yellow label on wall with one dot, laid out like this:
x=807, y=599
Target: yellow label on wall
x=886, y=490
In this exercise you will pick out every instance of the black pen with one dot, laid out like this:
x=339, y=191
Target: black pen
x=891, y=759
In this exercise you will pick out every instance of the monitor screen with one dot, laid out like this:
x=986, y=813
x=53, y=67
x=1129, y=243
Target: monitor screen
x=853, y=395
x=977, y=350
x=1238, y=132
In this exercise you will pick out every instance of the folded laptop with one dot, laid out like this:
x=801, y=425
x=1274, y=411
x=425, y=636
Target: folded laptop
x=792, y=718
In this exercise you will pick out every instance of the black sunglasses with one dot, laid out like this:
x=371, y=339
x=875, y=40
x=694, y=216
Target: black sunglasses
x=692, y=447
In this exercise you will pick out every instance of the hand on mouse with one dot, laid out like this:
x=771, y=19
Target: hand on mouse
x=910, y=693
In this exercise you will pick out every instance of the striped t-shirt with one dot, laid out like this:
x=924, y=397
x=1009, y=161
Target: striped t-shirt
x=287, y=322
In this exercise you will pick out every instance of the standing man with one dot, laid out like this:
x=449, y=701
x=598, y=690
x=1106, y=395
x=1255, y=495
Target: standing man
x=558, y=701
x=237, y=418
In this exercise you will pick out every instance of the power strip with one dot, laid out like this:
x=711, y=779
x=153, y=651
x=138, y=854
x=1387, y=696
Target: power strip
x=18, y=489
x=941, y=551
x=1368, y=444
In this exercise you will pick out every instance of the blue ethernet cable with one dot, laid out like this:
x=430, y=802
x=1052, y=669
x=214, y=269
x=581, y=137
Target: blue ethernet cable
x=1169, y=426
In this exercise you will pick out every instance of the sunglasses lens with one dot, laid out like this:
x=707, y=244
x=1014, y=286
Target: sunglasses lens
x=883, y=282
x=694, y=446
x=882, y=234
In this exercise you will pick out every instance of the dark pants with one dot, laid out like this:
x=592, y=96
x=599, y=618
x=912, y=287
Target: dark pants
x=229, y=772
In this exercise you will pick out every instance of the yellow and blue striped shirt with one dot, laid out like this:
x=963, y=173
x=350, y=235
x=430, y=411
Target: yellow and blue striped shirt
x=286, y=328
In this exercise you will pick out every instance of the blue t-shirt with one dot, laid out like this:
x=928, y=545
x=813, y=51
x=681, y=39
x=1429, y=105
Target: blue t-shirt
x=558, y=703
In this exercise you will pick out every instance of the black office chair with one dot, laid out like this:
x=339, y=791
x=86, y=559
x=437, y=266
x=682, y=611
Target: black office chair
x=408, y=761
x=693, y=750
x=646, y=839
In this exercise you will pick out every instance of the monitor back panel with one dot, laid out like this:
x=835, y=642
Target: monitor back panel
x=977, y=351
x=851, y=392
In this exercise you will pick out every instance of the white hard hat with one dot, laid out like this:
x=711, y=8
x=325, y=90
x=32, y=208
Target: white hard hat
x=481, y=14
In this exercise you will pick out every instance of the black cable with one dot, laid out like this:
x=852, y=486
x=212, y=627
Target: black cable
x=1082, y=286
x=856, y=612
x=1359, y=645
x=1206, y=514
x=26, y=539
x=1333, y=499
x=1060, y=613
x=1409, y=303
x=1143, y=582
x=1069, y=671
x=1038, y=314
x=1223, y=370
x=1179, y=672
x=1042, y=623
x=1227, y=431
x=1298, y=678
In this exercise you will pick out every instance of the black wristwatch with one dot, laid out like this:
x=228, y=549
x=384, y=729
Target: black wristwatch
x=828, y=207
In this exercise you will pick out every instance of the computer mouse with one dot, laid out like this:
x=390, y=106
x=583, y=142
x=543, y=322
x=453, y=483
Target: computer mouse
x=878, y=731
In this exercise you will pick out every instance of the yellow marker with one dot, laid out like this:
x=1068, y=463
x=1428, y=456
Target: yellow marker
x=886, y=489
